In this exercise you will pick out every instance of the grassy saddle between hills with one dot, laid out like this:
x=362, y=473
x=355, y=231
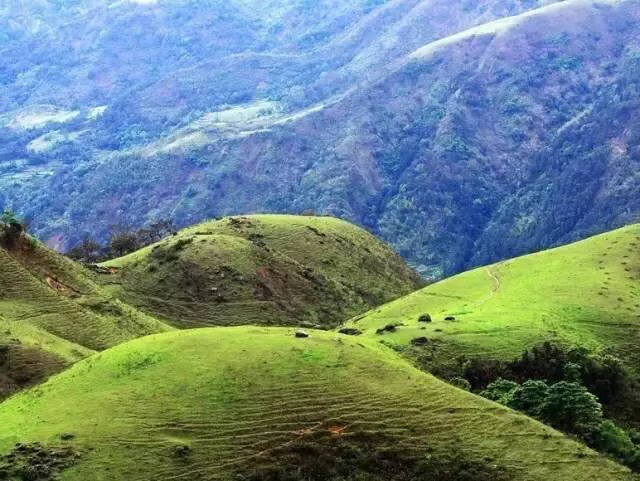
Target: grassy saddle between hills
x=259, y=403
x=261, y=269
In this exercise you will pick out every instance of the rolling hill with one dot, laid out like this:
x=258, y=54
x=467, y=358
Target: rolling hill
x=52, y=314
x=261, y=269
x=510, y=126
x=584, y=294
x=257, y=400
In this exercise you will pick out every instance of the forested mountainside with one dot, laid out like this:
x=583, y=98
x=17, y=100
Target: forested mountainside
x=461, y=132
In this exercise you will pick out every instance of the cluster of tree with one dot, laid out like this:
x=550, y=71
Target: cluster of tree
x=602, y=374
x=123, y=241
x=571, y=390
x=12, y=229
x=569, y=407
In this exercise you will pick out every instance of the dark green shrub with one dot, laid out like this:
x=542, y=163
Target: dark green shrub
x=571, y=408
x=482, y=372
x=529, y=397
x=364, y=456
x=546, y=361
x=12, y=229
x=615, y=441
x=500, y=391
x=460, y=382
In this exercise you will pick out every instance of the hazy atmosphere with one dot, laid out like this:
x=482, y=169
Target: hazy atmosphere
x=320, y=240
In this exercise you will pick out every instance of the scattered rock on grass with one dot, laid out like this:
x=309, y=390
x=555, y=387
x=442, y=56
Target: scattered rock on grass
x=387, y=328
x=450, y=318
x=350, y=331
x=302, y=334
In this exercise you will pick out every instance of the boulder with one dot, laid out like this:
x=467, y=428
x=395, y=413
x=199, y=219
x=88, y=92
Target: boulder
x=350, y=331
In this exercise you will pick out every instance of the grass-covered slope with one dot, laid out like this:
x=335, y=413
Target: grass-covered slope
x=585, y=294
x=252, y=394
x=52, y=314
x=262, y=269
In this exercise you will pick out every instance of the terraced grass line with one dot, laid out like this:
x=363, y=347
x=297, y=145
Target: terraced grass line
x=135, y=415
x=586, y=294
x=53, y=314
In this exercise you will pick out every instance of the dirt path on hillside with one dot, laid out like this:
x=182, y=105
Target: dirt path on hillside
x=495, y=280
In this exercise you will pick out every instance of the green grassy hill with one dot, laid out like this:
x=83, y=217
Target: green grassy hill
x=257, y=398
x=262, y=269
x=586, y=294
x=52, y=314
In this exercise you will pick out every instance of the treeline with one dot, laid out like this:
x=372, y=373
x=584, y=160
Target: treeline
x=123, y=240
x=573, y=390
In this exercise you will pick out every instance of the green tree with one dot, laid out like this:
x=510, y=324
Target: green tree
x=87, y=251
x=616, y=441
x=571, y=408
x=529, y=397
x=500, y=391
x=12, y=229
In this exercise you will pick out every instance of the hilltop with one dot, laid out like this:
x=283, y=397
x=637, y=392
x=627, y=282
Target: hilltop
x=583, y=294
x=52, y=314
x=259, y=401
x=261, y=269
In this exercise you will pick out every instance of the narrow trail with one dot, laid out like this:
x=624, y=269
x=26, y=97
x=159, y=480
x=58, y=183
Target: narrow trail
x=495, y=288
x=496, y=281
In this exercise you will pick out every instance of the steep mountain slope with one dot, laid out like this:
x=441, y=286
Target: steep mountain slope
x=252, y=395
x=585, y=294
x=52, y=314
x=266, y=269
x=458, y=140
x=242, y=44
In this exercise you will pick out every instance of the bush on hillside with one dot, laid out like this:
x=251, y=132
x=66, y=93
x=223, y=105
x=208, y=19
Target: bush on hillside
x=364, y=456
x=88, y=251
x=546, y=361
x=615, y=441
x=602, y=374
x=500, y=391
x=571, y=408
x=564, y=405
x=482, y=372
x=124, y=240
x=529, y=397
x=12, y=229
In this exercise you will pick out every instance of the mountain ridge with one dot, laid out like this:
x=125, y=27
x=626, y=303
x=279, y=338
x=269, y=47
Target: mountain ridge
x=466, y=140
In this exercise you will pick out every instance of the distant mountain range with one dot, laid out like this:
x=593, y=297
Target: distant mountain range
x=461, y=132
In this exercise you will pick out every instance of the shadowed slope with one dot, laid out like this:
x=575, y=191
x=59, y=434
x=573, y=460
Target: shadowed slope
x=52, y=314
